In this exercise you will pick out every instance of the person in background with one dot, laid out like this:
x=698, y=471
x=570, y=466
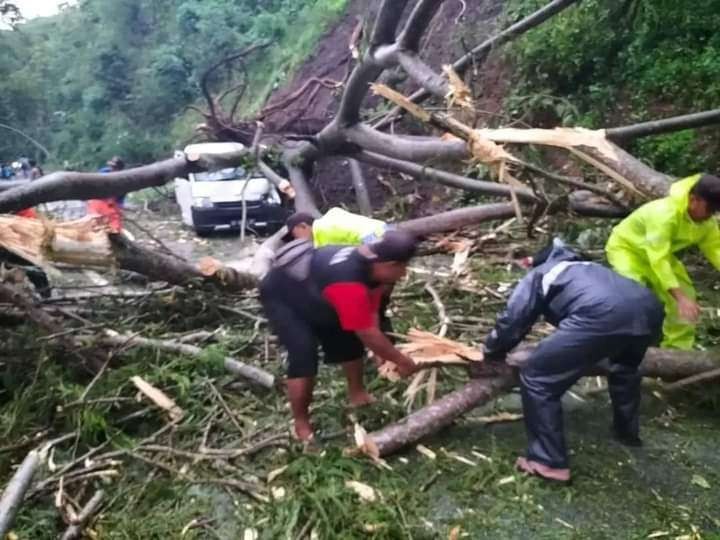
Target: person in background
x=109, y=209
x=338, y=227
x=598, y=315
x=334, y=306
x=644, y=248
x=6, y=171
x=35, y=170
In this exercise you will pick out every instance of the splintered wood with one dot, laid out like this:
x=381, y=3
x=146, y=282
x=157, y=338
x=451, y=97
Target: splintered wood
x=82, y=241
x=426, y=348
x=459, y=93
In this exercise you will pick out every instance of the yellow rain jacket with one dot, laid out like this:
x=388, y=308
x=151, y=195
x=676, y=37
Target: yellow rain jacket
x=644, y=245
x=339, y=227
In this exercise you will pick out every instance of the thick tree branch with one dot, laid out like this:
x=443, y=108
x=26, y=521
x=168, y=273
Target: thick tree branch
x=478, y=53
x=666, y=125
x=418, y=149
x=421, y=172
x=588, y=204
x=387, y=21
x=417, y=23
x=70, y=185
x=663, y=363
x=361, y=191
x=423, y=74
x=456, y=219
x=298, y=162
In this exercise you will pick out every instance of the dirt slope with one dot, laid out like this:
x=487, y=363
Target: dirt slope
x=309, y=100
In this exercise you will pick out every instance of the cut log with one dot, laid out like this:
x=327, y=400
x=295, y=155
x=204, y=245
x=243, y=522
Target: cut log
x=666, y=364
x=439, y=414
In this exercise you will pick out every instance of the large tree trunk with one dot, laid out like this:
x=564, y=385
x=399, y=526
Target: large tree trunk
x=665, y=364
x=85, y=242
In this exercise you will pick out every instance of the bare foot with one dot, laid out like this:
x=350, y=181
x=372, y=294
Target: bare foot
x=534, y=468
x=303, y=431
x=361, y=399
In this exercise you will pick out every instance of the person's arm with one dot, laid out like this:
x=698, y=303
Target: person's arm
x=658, y=250
x=380, y=345
x=352, y=303
x=513, y=324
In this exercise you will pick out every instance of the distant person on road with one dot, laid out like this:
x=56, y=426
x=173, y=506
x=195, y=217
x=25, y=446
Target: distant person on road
x=111, y=209
x=35, y=170
x=598, y=315
x=645, y=245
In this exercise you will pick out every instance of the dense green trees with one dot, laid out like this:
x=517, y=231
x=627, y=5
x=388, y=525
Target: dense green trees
x=609, y=62
x=115, y=76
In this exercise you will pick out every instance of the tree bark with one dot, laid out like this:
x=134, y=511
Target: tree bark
x=456, y=219
x=361, y=191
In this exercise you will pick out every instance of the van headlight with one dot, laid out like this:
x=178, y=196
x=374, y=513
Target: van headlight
x=202, y=202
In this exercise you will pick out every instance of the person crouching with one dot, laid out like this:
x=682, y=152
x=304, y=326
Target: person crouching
x=335, y=307
x=598, y=315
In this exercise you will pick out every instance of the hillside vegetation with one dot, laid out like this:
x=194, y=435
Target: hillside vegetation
x=615, y=62
x=115, y=76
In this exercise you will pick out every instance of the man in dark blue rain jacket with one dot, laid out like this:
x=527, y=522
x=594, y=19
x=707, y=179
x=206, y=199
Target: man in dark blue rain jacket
x=599, y=315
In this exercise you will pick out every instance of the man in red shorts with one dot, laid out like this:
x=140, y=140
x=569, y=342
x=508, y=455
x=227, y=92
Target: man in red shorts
x=335, y=307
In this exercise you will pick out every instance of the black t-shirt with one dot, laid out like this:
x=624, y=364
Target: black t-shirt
x=341, y=275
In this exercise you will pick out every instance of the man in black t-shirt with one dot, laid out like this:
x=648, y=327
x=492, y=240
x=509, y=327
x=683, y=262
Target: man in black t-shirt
x=336, y=307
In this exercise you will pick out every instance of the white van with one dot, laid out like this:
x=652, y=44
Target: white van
x=215, y=199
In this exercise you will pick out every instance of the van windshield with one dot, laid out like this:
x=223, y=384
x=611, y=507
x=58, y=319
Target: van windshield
x=232, y=173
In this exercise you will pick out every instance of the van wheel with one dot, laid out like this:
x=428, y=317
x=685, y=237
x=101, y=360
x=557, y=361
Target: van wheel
x=204, y=231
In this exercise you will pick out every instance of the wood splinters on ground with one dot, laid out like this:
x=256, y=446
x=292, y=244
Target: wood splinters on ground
x=365, y=492
x=500, y=417
x=159, y=398
x=365, y=445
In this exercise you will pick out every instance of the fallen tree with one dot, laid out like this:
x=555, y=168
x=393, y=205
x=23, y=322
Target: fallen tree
x=394, y=43
x=665, y=364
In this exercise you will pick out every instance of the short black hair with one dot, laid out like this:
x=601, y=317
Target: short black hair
x=708, y=189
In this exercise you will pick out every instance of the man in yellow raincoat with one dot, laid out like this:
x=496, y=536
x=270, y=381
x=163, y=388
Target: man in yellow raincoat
x=643, y=247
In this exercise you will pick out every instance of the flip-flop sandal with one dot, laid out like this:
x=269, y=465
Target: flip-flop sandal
x=526, y=467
